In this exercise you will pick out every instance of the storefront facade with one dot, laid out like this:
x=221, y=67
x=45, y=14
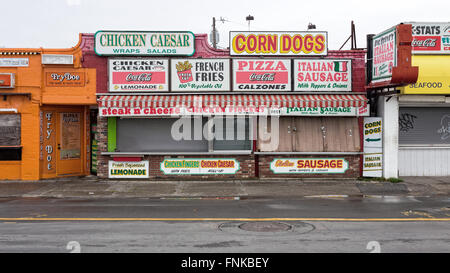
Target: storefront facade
x=424, y=107
x=44, y=113
x=184, y=110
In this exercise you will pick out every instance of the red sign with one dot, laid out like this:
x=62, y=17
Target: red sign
x=261, y=75
x=426, y=43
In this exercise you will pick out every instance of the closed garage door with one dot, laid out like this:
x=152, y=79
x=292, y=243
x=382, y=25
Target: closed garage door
x=424, y=140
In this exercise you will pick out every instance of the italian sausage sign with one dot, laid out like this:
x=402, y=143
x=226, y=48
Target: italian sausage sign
x=308, y=165
x=261, y=75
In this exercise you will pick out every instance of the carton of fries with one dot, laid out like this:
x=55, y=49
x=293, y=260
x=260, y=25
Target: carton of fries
x=184, y=71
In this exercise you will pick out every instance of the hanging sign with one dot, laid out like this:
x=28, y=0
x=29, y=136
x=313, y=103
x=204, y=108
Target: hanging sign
x=384, y=55
x=323, y=75
x=200, y=74
x=138, y=75
x=144, y=43
x=299, y=43
x=206, y=166
x=430, y=38
x=261, y=75
x=124, y=169
x=308, y=165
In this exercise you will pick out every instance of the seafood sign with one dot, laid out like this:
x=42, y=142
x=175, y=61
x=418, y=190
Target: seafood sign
x=138, y=75
x=206, y=166
x=308, y=165
x=200, y=75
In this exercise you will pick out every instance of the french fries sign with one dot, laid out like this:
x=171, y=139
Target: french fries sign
x=308, y=43
x=200, y=74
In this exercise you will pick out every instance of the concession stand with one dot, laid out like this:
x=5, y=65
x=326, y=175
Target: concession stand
x=276, y=104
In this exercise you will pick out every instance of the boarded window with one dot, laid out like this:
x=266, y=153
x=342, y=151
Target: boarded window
x=313, y=134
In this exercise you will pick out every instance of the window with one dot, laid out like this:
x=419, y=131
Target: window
x=10, y=148
x=156, y=134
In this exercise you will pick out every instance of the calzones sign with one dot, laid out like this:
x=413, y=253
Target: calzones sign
x=261, y=75
x=200, y=74
x=144, y=43
x=129, y=75
x=306, y=43
x=323, y=75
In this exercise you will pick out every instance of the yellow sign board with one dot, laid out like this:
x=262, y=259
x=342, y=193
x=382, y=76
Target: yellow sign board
x=434, y=75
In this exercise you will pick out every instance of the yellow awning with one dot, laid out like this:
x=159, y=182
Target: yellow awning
x=434, y=75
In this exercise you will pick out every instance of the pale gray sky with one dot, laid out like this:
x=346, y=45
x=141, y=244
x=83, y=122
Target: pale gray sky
x=56, y=23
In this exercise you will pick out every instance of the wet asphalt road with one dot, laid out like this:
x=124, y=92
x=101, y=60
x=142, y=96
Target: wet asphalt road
x=176, y=234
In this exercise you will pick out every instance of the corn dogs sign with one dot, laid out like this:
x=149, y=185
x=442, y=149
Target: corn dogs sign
x=307, y=43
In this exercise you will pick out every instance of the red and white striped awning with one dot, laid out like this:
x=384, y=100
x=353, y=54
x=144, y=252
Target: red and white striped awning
x=275, y=100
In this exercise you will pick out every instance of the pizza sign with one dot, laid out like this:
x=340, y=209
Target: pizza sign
x=261, y=75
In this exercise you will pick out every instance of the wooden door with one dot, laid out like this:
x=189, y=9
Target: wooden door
x=286, y=135
x=341, y=134
x=69, y=142
x=307, y=134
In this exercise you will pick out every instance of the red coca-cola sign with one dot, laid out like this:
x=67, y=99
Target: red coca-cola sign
x=426, y=43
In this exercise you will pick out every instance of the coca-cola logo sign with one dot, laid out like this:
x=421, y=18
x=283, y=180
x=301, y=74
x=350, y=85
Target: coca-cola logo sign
x=138, y=75
x=428, y=43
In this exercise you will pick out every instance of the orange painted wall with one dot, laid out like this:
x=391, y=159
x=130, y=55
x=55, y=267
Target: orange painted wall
x=31, y=80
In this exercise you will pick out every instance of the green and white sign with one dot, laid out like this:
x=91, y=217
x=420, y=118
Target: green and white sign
x=200, y=74
x=144, y=43
x=320, y=111
x=199, y=166
x=384, y=55
x=128, y=169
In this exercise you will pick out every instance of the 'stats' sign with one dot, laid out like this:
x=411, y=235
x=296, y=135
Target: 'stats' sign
x=261, y=75
x=144, y=43
x=431, y=38
x=384, y=55
x=207, y=166
x=118, y=169
x=200, y=74
x=323, y=75
x=307, y=43
x=62, y=79
x=308, y=165
x=140, y=75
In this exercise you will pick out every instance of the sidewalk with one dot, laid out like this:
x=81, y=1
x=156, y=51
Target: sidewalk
x=92, y=187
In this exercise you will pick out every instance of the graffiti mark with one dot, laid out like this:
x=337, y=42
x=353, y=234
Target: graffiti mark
x=445, y=127
x=406, y=122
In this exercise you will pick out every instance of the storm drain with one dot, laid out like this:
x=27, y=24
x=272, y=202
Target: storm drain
x=266, y=228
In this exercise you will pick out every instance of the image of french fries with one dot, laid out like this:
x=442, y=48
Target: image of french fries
x=183, y=66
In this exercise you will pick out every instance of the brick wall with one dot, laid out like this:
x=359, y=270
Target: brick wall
x=352, y=172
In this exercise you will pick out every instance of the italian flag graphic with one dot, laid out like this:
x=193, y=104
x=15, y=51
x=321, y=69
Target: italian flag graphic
x=340, y=66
